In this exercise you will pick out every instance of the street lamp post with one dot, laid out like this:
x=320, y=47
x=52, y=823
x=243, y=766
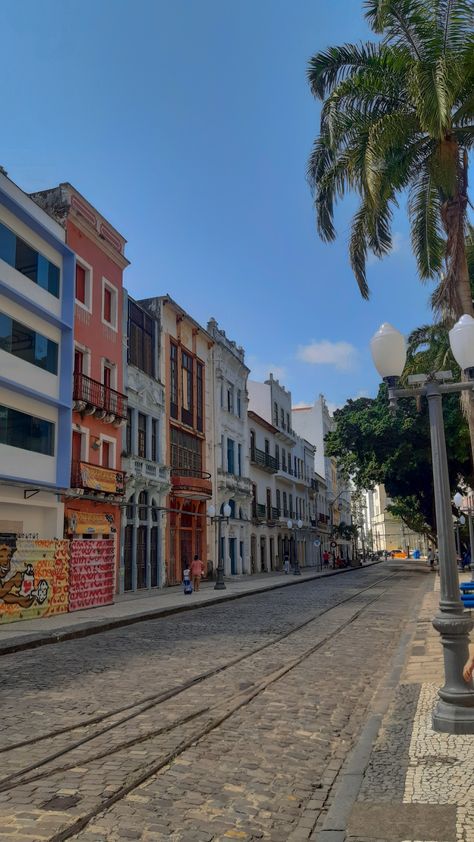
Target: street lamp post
x=226, y=513
x=454, y=712
x=296, y=562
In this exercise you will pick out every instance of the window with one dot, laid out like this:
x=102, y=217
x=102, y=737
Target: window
x=154, y=440
x=285, y=505
x=278, y=500
x=239, y=460
x=267, y=447
x=109, y=304
x=141, y=435
x=187, y=388
x=290, y=502
x=17, y=253
x=283, y=459
x=277, y=455
x=28, y=345
x=239, y=403
x=252, y=444
x=128, y=432
x=288, y=423
x=143, y=505
x=296, y=467
x=17, y=429
x=230, y=399
x=230, y=456
x=185, y=452
x=141, y=339
x=282, y=419
x=173, y=380
x=275, y=414
x=106, y=454
x=78, y=361
x=200, y=396
x=80, y=283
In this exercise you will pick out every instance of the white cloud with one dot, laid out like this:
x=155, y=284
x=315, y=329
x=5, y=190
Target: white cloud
x=342, y=355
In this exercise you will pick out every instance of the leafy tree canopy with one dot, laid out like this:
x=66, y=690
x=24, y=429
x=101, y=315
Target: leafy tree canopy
x=372, y=445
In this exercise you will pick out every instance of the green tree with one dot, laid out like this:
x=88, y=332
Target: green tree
x=398, y=115
x=373, y=445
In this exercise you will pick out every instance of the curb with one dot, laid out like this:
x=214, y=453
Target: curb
x=353, y=771
x=87, y=629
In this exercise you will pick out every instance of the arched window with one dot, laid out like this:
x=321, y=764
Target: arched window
x=154, y=511
x=143, y=505
x=131, y=508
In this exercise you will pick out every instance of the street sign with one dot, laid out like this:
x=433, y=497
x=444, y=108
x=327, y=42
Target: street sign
x=333, y=544
x=317, y=543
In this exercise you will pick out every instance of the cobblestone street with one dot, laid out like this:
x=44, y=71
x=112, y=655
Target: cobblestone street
x=230, y=722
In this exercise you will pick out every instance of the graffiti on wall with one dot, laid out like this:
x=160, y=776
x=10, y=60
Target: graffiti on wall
x=33, y=577
x=92, y=573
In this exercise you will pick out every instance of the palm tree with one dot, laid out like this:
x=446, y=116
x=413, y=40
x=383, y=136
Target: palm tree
x=398, y=116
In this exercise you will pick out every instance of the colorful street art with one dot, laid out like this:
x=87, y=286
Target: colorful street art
x=92, y=573
x=33, y=578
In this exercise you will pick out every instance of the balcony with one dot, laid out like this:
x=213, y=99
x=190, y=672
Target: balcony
x=238, y=486
x=136, y=467
x=191, y=483
x=103, y=482
x=93, y=398
x=263, y=460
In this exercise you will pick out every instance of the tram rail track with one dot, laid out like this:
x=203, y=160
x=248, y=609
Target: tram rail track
x=210, y=716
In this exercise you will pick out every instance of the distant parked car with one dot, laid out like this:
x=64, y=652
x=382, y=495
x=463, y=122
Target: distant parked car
x=398, y=554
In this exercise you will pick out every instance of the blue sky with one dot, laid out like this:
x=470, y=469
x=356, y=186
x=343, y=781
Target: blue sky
x=188, y=124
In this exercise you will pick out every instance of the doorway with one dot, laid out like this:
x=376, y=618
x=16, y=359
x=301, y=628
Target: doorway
x=233, y=560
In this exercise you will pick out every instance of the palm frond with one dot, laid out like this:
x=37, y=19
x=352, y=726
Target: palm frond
x=455, y=19
x=402, y=22
x=424, y=209
x=329, y=67
x=358, y=249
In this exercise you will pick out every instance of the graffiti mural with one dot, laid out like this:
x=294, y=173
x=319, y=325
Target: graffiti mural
x=92, y=574
x=33, y=578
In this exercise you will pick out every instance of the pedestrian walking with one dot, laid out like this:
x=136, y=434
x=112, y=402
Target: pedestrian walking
x=286, y=565
x=325, y=558
x=197, y=570
x=431, y=558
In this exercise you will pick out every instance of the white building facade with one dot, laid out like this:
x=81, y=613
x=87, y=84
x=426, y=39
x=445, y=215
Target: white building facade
x=147, y=477
x=283, y=482
x=314, y=423
x=229, y=460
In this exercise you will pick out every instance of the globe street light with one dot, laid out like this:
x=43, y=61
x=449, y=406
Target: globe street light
x=454, y=712
x=226, y=513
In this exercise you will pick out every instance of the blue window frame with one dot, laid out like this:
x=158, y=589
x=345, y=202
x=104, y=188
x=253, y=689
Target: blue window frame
x=19, y=254
x=28, y=345
x=17, y=429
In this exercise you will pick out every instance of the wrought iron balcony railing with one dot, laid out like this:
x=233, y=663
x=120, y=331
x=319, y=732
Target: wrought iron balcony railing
x=264, y=460
x=99, y=397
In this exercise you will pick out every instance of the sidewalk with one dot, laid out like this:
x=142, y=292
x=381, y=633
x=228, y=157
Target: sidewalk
x=404, y=782
x=28, y=634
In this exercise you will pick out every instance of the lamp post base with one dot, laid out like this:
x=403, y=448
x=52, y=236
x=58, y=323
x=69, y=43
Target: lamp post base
x=220, y=584
x=452, y=718
x=454, y=711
